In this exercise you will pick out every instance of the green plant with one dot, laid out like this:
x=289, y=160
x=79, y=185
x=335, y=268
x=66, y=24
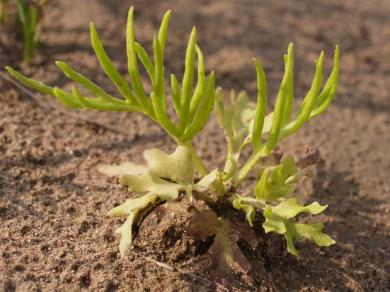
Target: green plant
x=27, y=20
x=29, y=14
x=3, y=11
x=167, y=177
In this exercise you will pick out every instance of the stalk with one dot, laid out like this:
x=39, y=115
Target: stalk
x=231, y=164
x=205, y=198
x=256, y=203
x=248, y=165
x=198, y=163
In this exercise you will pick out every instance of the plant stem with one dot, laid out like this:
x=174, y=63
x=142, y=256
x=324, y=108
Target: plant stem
x=256, y=203
x=198, y=163
x=205, y=198
x=230, y=154
x=248, y=165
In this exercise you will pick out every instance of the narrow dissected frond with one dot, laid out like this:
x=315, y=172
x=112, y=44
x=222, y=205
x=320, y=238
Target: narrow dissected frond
x=261, y=106
x=278, y=124
x=188, y=79
x=192, y=105
x=132, y=62
x=282, y=101
x=109, y=68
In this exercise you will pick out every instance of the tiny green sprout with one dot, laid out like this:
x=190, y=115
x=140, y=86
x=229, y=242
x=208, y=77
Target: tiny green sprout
x=182, y=174
x=3, y=11
x=27, y=20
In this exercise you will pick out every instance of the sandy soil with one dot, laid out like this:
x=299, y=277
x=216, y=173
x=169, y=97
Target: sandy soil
x=54, y=234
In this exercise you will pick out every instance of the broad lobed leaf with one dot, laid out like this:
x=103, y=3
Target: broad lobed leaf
x=240, y=204
x=132, y=205
x=126, y=234
x=133, y=208
x=291, y=207
x=149, y=182
x=274, y=184
x=277, y=220
x=164, y=177
x=126, y=168
x=177, y=167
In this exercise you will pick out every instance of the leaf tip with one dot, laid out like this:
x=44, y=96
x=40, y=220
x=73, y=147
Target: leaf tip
x=256, y=62
x=336, y=55
x=193, y=35
x=321, y=58
x=290, y=49
x=12, y=72
x=60, y=64
x=92, y=26
x=168, y=13
x=212, y=75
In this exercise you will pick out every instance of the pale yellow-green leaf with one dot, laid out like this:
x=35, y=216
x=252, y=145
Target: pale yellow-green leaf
x=248, y=209
x=236, y=119
x=132, y=208
x=291, y=208
x=207, y=180
x=132, y=205
x=151, y=183
x=314, y=232
x=126, y=234
x=177, y=166
x=273, y=222
x=274, y=182
x=295, y=231
x=126, y=168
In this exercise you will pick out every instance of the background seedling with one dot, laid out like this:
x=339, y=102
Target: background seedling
x=27, y=20
x=168, y=177
x=3, y=11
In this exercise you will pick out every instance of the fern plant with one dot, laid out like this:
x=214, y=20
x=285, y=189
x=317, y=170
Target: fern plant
x=167, y=177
